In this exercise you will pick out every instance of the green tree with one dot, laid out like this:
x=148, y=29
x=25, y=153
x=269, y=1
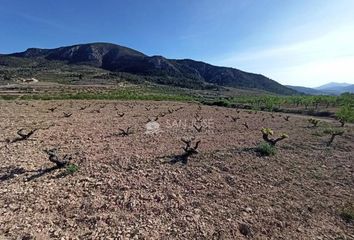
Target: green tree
x=345, y=114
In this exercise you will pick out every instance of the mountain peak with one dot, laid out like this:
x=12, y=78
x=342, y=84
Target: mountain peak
x=331, y=85
x=185, y=73
x=89, y=53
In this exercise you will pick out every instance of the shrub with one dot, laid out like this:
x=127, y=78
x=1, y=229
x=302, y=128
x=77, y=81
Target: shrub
x=267, y=132
x=221, y=103
x=266, y=149
x=333, y=132
x=347, y=213
x=8, y=97
x=314, y=122
x=71, y=168
x=345, y=114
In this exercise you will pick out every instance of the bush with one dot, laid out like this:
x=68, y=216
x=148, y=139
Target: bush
x=221, y=103
x=267, y=132
x=266, y=149
x=8, y=97
x=71, y=169
x=347, y=213
x=330, y=131
x=314, y=122
x=333, y=132
x=345, y=114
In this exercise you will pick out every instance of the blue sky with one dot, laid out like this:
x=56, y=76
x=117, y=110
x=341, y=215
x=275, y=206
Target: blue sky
x=300, y=42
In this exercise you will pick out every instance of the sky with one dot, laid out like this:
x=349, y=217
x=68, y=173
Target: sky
x=301, y=42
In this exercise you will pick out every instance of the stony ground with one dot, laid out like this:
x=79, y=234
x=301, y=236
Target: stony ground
x=135, y=187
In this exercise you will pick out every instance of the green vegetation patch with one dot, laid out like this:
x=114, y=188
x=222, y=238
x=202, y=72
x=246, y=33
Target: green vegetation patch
x=71, y=169
x=109, y=95
x=266, y=149
x=346, y=114
x=347, y=213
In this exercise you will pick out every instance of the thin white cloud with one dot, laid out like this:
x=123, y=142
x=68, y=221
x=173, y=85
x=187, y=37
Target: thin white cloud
x=316, y=73
x=329, y=57
x=334, y=43
x=40, y=20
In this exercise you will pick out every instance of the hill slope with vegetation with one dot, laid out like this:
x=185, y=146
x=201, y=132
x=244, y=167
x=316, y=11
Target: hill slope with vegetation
x=115, y=59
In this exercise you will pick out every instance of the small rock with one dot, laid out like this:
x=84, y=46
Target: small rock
x=14, y=207
x=245, y=229
x=280, y=224
x=248, y=209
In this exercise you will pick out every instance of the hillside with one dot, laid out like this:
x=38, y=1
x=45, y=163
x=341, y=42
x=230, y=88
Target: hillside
x=118, y=59
x=349, y=88
x=336, y=88
x=332, y=85
x=306, y=90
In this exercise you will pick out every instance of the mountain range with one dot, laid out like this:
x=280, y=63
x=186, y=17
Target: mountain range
x=331, y=88
x=119, y=59
x=336, y=88
x=306, y=90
